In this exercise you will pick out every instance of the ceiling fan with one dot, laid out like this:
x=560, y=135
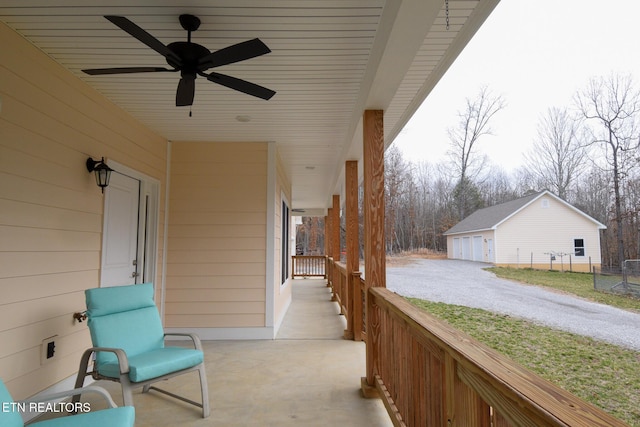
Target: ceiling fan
x=192, y=60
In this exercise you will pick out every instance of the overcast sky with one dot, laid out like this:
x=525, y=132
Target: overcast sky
x=536, y=54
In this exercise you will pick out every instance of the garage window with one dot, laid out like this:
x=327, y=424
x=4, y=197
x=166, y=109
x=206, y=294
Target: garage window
x=578, y=247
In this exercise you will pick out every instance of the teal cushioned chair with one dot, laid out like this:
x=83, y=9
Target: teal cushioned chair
x=111, y=417
x=128, y=340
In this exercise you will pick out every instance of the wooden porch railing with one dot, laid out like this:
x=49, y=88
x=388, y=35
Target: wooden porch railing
x=309, y=266
x=430, y=374
x=349, y=292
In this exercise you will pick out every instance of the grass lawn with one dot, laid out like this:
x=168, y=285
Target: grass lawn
x=603, y=374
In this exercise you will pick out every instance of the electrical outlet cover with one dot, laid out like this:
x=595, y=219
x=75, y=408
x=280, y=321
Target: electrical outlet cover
x=48, y=349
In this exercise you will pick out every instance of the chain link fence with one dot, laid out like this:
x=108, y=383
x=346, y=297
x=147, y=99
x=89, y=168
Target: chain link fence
x=625, y=280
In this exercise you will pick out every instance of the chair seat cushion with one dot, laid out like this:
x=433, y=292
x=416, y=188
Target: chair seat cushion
x=155, y=363
x=113, y=417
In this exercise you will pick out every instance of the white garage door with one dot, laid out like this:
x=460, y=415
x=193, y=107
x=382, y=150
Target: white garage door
x=477, y=248
x=466, y=248
x=456, y=248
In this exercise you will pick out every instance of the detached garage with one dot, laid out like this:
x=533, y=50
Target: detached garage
x=539, y=231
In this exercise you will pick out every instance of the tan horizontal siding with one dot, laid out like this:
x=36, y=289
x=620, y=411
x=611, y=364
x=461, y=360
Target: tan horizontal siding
x=228, y=170
x=22, y=362
x=16, y=289
x=208, y=307
x=212, y=267
x=41, y=195
x=212, y=243
x=37, y=310
x=219, y=256
x=31, y=335
x=224, y=215
x=217, y=231
x=224, y=320
x=21, y=239
x=40, y=377
x=215, y=295
x=234, y=281
x=51, y=210
x=18, y=264
x=18, y=213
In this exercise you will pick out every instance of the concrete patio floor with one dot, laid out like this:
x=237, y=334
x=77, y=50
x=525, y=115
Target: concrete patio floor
x=308, y=376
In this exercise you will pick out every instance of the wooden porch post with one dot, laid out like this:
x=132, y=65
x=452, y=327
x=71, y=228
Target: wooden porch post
x=326, y=235
x=353, y=252
x=334, y=214
x=374, y=254
x=335, y=228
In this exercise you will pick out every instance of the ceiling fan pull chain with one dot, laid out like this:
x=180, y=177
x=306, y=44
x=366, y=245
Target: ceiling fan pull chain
x=446, y=6
x=189, y=110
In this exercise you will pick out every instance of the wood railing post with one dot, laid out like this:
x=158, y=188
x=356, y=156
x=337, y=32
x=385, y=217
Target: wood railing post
x=333, y=278
x=356, y=306
x=368, y=383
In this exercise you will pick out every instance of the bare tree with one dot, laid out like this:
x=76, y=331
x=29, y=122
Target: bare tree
x=497, y=188
x=397, y=174
x=557, y=156
x=473, y=123
x=612, y=105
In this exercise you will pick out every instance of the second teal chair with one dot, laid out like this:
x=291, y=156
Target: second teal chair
x=111, y=417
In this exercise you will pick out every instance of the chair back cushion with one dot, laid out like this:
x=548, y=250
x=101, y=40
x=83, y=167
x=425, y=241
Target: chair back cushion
x=124, y=317
x=9, y=415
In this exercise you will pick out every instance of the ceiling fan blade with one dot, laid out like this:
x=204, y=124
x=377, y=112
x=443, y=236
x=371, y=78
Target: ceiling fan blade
x=124, y=70
x=234, y=53
x=241, y=85
x=186, y=92
x=144, y=37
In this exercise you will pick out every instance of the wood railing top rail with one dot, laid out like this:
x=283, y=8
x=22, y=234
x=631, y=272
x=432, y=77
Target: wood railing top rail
x=517, y=393
x=341, y=267
x=309, y=256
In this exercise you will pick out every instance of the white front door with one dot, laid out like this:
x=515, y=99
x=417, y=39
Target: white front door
x=120, y=234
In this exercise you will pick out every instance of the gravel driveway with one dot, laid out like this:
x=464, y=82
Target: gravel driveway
x=466, y=283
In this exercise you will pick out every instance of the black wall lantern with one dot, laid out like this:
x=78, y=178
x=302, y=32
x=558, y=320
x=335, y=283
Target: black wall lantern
x=103, y=172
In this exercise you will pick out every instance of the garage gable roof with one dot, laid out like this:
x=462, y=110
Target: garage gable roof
x=489, y=218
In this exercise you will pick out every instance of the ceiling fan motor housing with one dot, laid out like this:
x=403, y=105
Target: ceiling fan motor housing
x=189, y=53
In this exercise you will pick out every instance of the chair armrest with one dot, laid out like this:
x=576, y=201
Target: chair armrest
x=123, y=362
x=194, y=337
x=74, y=392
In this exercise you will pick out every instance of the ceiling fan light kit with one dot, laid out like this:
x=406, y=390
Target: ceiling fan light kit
x=192, y=60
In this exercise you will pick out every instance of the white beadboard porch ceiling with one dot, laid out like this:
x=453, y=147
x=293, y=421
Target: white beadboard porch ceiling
x=330, y=60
